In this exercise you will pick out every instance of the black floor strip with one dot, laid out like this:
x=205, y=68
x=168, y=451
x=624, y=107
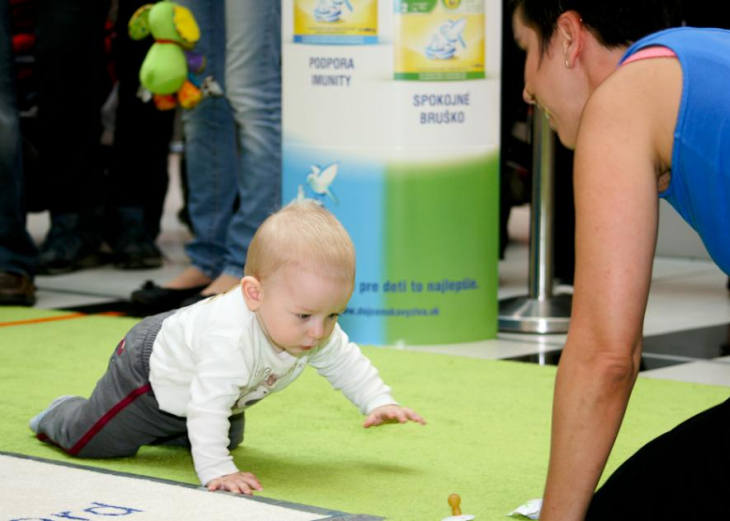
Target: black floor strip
x=663, y=350
x=122, y=307
x=701, y=343
x=648, y=361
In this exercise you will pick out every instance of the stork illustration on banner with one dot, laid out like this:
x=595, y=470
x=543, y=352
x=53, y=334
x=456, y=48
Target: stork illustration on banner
x=320, y=181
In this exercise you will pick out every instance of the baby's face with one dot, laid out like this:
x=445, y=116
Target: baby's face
x=299, y=308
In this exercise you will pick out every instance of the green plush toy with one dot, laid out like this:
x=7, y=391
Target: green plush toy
x=167, y=70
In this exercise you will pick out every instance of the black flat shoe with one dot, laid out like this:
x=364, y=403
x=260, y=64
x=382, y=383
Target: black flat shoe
x=195, y=298
x=151, y=299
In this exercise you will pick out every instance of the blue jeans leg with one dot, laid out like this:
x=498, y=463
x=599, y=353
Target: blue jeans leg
x=210, y=144
x=253, y=87
x=18, y=253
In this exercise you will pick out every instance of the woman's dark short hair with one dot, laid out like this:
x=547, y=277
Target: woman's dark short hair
x=614, y=23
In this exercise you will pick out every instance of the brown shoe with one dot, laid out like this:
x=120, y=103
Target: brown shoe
x=16, y=289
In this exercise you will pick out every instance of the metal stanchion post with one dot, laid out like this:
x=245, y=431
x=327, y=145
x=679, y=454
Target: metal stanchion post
x=540, y=311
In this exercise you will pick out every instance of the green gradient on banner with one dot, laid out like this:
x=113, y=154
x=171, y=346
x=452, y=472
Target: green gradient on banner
x=442, y=233
x=439, y=76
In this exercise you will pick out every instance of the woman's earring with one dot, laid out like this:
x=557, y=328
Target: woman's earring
x=567, y=64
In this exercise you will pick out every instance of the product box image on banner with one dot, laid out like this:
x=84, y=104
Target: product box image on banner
x=439, y=40
x=336, y=22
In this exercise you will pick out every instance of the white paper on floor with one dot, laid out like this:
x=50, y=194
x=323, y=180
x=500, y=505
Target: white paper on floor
x=530, y=510
x=40, y=491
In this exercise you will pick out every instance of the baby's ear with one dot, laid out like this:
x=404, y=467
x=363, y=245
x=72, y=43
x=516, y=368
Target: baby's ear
x=252, y=292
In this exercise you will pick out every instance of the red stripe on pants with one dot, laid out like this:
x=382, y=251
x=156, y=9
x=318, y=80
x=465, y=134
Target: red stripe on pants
x=110, y=414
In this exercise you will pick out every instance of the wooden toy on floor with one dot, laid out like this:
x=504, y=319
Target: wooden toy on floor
x=456, y=515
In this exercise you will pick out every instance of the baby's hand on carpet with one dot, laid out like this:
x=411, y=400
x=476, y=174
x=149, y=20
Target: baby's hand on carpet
x=392, y=414
x=238, y=482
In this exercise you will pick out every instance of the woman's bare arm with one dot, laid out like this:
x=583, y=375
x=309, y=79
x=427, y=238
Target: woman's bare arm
x=616, y=173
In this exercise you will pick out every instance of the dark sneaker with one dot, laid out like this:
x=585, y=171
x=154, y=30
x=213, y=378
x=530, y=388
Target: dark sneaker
x=134, y=250
x=16, y=289
x=68, y=247
x=151, y=299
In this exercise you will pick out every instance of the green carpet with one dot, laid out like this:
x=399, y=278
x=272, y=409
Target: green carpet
x=487, y=436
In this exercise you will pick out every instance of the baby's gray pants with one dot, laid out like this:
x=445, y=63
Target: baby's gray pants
x=122, y=413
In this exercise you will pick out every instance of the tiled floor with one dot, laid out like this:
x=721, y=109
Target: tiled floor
x=687, y=323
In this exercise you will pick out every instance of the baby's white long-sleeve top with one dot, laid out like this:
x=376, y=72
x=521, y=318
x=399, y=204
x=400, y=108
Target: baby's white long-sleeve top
x=212, y=360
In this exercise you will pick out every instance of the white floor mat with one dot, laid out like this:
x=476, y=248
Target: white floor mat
x=31, y=489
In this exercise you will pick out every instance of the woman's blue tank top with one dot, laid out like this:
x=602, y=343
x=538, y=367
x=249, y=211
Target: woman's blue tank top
x=699, y=188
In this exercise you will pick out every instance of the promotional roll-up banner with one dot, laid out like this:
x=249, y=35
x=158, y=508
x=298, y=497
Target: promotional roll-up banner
x=397, y=134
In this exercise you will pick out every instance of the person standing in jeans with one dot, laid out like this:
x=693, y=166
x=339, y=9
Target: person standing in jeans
x=18, y=253
x=233, y=149
x=73, y=85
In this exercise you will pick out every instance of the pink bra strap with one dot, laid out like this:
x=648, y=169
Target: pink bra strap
x=655, y=51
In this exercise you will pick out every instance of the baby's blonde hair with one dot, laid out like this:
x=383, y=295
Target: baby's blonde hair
x=305, y=234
